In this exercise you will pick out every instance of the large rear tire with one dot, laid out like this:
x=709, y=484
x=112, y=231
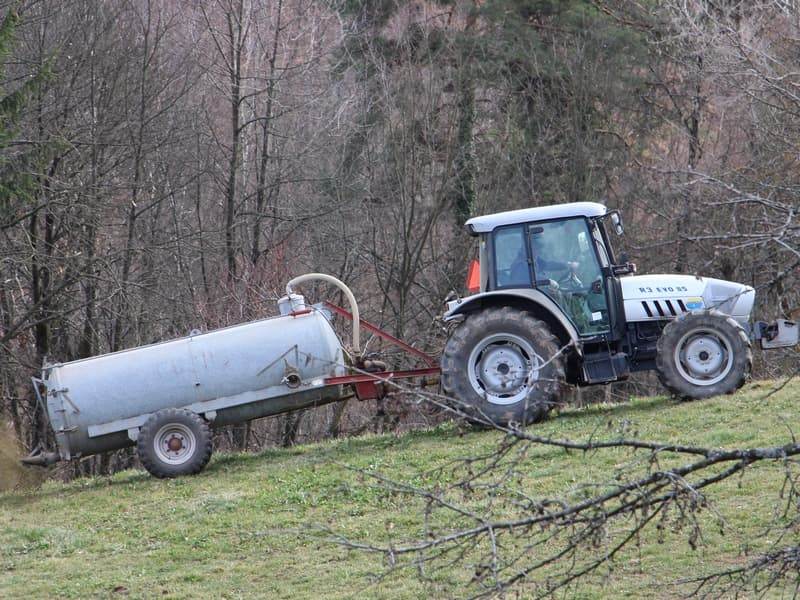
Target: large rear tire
x=503, y=366
x=706, y=354
x=174, y=442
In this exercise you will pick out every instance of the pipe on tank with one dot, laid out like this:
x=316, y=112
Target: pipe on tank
x=351, y=299
x=40, y=458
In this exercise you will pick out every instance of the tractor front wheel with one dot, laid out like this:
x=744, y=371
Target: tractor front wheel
x=700, y=355
x=502, y=366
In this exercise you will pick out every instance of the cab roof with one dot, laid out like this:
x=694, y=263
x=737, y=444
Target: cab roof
x=488, y=223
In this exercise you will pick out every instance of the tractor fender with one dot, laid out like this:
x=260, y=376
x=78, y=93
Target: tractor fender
x=537, y=303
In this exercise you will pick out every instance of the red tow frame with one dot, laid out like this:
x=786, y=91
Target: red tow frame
x=367, y=386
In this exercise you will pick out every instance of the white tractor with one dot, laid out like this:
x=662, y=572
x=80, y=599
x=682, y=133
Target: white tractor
x=554, y=306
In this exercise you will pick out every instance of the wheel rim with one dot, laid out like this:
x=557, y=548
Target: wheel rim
x=703, y=357
x=502, y=368
x=174, y=443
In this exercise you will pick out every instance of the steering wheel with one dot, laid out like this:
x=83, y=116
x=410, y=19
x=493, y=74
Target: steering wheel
x=571, y=283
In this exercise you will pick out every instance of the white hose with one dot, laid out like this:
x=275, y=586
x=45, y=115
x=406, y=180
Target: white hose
x=351, y=299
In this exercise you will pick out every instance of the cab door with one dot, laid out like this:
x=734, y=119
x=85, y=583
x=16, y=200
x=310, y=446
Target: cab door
x=612, y=284
x=568, y=267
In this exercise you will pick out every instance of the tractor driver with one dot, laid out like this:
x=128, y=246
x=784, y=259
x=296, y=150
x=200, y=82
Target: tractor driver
x=551, y=244
x=545, y=268
x=561, y=243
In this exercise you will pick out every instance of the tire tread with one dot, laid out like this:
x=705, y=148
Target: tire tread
x=455, y=380
x=671, y=379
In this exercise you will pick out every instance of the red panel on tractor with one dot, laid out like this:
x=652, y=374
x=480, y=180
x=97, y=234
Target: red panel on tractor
x=474, y=277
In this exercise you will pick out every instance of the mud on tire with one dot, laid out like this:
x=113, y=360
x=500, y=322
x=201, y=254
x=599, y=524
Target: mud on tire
x=502, y=365
x=706, y=354
x=174, y=442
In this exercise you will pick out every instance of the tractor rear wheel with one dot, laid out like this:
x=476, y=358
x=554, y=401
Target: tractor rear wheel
x=502, y=366
x=700, y=355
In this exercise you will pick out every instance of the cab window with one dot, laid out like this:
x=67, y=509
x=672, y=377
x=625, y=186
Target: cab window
x=511, y=257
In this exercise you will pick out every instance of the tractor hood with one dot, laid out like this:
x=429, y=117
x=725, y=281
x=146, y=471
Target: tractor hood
x=656, y=297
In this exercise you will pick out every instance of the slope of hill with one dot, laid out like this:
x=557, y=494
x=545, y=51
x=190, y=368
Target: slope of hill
x=246, y=526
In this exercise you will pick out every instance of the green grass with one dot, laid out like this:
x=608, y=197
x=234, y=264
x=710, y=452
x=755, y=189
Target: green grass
x=243, y=528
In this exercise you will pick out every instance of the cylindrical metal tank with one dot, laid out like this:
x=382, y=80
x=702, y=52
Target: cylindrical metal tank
x=228, y=375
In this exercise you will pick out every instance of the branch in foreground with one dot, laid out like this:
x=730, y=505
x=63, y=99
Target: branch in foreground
x=489, y=519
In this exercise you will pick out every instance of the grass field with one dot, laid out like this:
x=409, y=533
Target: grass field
x=244, y=527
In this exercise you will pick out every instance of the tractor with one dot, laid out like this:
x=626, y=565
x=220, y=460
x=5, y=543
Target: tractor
x=551, y=304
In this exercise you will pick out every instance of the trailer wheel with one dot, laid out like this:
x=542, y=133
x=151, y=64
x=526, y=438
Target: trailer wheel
x=174, y=442
x=501, y=366
x=700, y=355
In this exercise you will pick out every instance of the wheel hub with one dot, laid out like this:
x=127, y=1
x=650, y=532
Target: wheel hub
x=502, y=368
x=174, y=443
x=703, y=357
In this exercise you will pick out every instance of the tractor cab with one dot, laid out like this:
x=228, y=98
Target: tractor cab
x=562, y=251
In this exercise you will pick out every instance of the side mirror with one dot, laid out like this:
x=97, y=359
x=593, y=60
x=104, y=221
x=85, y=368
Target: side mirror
x=616, y=221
